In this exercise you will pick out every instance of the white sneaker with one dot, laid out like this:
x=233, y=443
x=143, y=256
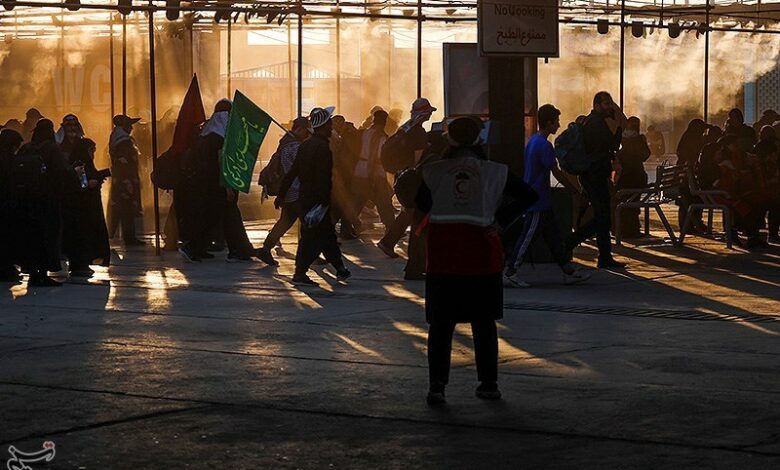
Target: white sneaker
x=515, y=282
x=576, y=277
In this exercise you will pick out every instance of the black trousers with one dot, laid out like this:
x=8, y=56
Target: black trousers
x=536, y=224
x=397, y=228
x=233, y=228
x=774, y=218
x=378, y=191
x=320, y=238
x=485, y=350
x=205, y=213
x=7, y=243
x=596, y=187
x=290, y=214
x=124, y=216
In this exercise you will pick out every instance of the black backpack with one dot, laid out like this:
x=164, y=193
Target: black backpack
x=570, y=150
x=28, y=173
x=272, y=175
x=396, y=154
x=167, y=170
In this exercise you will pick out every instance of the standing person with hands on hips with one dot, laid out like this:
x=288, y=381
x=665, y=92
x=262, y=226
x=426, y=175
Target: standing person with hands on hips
x=461, y=194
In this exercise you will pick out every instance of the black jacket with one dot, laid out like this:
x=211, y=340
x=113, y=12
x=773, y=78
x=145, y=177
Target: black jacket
x=314, y=168
x=600, y=143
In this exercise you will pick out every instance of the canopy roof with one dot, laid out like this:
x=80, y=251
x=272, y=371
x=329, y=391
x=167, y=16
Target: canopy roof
x=42, y=18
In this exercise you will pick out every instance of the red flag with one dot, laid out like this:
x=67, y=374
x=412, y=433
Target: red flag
x=191, y=116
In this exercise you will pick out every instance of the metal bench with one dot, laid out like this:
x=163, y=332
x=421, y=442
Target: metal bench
x=669, y=181
x=709, y=203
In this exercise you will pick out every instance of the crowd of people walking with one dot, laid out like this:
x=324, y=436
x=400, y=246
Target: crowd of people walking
x=470, y=222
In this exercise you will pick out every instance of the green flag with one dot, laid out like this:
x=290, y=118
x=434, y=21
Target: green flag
x=247, y=127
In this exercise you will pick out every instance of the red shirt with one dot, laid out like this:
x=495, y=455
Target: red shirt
x=464, y=249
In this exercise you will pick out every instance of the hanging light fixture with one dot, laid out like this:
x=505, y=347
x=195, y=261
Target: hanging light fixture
x=9, y=5
x=125, y=6
x=73, y=5
x=172, y=9
x=637, y=29
x=602, y=25
x=674, y=30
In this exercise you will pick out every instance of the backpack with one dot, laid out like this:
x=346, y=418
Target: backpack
x=570, y=150
x=396, y=155
x=272, y=175
x=28, y=173
x=407, y=184
x=167, y=173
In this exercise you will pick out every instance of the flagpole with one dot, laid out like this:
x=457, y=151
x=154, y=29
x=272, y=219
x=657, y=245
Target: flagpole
x=153, y=99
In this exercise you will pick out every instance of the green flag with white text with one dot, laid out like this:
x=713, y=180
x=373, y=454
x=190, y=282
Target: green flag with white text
x=246, y=129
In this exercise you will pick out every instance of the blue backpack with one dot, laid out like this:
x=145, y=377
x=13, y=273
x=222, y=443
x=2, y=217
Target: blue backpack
x=570, y=150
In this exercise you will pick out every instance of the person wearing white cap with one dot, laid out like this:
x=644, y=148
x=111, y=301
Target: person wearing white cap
x=413, y=143
x=313, y=167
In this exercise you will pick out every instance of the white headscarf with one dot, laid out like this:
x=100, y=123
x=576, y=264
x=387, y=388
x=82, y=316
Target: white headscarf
x=59, y=137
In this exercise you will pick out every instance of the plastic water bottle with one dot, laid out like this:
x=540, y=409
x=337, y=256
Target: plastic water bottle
x=82, y=177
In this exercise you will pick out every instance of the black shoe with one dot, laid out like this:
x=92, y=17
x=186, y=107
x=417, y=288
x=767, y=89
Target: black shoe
x=231, y=258
x=414, y=276
x=343, y=274
x=82, y=273
x=44, y=281
x=134, y=242
x=390, y=252
x=264, y=255
x=755, y=243
x=348, y=235
x=303, y=280
x=188, y=256
x=215, y=247
x=10, y=278
x=611, y=264
x=436, y=395
x=488, y=391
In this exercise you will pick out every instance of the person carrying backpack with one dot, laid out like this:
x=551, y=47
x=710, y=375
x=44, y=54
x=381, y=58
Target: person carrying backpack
x=601, y=142
x=271, y=179
x=401, y=151
x=540, y=219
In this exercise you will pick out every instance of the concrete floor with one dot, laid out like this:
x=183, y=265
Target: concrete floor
x=158, y=364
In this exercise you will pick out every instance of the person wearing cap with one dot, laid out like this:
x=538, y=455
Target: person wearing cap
x=287, y=151
x=461, y=194
x=125, y=196
x=313, y=168
x=416, y=143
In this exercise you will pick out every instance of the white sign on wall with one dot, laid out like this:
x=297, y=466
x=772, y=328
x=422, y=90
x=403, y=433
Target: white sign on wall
x=524, y=28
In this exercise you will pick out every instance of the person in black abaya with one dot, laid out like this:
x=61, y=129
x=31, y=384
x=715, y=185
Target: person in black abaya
x=84, y=232
x=10, y=141
x=38, y=188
